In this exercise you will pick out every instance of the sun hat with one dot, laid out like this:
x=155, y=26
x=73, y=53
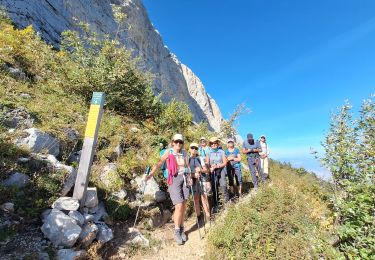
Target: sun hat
x=230, y=140
x=203, y=138
x=193, y=145
x=214, y=139
x=178, y=137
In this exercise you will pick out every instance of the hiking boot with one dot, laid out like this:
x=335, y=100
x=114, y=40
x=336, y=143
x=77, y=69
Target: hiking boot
x=177, y=237
x=183, y=235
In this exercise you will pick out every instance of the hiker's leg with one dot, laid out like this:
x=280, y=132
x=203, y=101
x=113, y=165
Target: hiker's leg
x=251, y=162
x=229, y=170
x=179, y=214
x=223, y=184
x=265, y=167
x=238, y=174
x=260, y=171
x=214, y=189
x=205, y=205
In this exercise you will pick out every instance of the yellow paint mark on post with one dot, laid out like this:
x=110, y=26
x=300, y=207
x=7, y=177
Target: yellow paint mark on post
x=92, y=120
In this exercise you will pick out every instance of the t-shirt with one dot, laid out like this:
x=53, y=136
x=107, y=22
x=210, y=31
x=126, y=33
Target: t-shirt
x=235, y=152
x=216, y=157
x=256, y=145
x=194, y=162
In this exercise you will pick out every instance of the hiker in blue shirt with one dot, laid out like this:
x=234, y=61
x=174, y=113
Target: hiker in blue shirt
x=252, y=149
x=203, y=149
x=234, y=167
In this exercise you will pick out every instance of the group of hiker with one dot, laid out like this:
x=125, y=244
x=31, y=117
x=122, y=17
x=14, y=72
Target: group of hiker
x=211, y=174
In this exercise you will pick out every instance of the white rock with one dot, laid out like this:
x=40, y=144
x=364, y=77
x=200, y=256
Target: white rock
x=135, y=237
x=38, y=142
x=121, y=194
x=91, y=197
x=61, y=229
x=151, y=188
x=66, y=203
x=70, y=254
x=8, y=207
x=105, y=234
x=77, y=216
x=88, y=234
x=17, y=179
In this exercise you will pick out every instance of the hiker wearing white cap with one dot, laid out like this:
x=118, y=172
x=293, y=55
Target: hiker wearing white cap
x=252, y=149
x=203, y=149
x=178, y=182
x=218, y=162
x=201, y=183
x=234, y=167
x=264, y=156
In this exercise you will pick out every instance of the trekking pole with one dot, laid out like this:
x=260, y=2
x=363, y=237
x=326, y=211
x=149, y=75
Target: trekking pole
x=204, y=219
x=147, y=171
x=196, y=213
x=216, y=191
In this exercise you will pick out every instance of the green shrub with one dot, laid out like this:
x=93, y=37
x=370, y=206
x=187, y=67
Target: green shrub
x=349, y=155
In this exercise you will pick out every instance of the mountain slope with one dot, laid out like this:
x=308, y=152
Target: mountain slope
x=51, y=17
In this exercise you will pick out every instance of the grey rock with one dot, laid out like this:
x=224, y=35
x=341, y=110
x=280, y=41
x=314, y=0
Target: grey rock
x=93, y=210
x=26, y=96
x=17, y=73
x=71, y=134
x=66, y=203
x=105, y=234
x=160, y=196
x=106, y=174
x=8, y=207
x=77, y=216
x=88, y=217
x=43, y=256
x=51, y=18
x=61, y=229
x=88, y=234
x=17, y=179
x=91, y=197
x=45, y=214
x=135, y=237
x=101, y=213
x=74, y=157
x=121, y=194
x=18, y=118
x=38, y=142
x=70, y=254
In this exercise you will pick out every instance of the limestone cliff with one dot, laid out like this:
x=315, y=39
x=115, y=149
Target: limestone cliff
x=172, y=78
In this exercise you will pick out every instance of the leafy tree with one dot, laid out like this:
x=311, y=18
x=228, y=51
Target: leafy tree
x=349, y=154
x=228, y=127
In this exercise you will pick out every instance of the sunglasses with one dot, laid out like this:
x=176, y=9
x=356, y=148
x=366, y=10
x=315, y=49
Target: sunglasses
x=215, y=143
x=178, y=142
x=194, y=148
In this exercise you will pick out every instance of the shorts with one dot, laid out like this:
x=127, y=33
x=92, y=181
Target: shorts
x=202, y=187
x=178, y=191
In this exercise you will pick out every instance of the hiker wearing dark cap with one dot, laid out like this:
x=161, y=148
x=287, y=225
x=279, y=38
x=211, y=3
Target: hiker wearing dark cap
x=234, y=166
x=252, y=149
x=178, y=182
x=217, y=161
x=201, y=183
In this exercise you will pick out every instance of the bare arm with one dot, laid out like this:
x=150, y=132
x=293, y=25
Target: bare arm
x=157, y=166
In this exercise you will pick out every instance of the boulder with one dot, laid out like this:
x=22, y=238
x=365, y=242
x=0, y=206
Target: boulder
x=88, y=234
x=101, y=213
x=105, y=234
x=66, y=203
x=8, y=207
x=18, y=118
x=91, y=197
x=159, y=218
x=45, y=214
x=70, y=254
x=160, y=196
x=38, y=142
x=120, y=195
x=135, y=237
x=77, y=216
x=17, y=179
x=107, y=173
x=61, y=229
x=151, y=188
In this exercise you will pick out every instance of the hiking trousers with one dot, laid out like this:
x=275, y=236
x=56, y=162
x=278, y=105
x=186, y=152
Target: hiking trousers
x=264, y=166
x=254, y=165
x=219, y=182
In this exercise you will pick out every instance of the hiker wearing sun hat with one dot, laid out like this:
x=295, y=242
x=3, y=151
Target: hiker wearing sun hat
x=252, y=149
x=234, y=166
x=217, y=162
x=264, y=156
x=200, y=189
x=178, y=182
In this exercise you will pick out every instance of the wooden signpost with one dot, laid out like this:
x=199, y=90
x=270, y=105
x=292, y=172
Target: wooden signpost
x=89, y=144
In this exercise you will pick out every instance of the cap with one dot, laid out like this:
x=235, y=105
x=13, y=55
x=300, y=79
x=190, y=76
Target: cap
x=214, y=139
x=230, y=140
x=178, y=137
x=250, y=136
x=202, y=138
x=263, y=136
x=193, y=145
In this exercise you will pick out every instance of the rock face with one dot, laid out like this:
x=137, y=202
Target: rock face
x=172, y=78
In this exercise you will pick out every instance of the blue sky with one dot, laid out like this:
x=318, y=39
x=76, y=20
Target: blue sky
x=292, y=62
